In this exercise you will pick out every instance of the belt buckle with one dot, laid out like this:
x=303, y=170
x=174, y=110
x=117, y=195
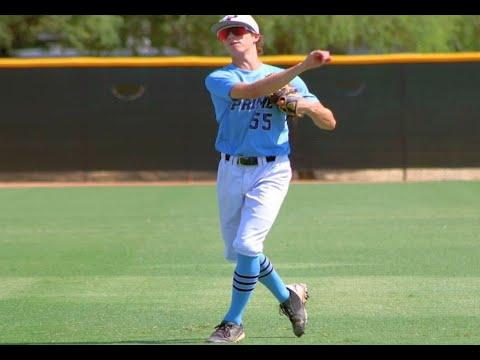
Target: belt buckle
x=247, y=161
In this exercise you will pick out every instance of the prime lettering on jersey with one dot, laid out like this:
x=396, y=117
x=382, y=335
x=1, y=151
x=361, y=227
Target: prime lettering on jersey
x=250, y=104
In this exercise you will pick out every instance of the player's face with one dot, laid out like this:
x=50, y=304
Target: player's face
x=237, y=39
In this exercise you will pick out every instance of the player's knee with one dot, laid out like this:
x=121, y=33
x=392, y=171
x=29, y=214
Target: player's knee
x=247, y=249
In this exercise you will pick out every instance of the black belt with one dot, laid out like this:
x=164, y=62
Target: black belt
x=249, y=160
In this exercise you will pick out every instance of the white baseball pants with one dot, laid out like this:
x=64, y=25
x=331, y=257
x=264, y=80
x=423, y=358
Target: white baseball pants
x=249, y=199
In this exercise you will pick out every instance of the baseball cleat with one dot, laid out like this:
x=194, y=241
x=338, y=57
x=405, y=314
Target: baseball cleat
x=227, y=332
x=294, y=307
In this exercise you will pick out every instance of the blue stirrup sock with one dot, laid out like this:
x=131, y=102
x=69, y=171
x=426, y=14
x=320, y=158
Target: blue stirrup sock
x=270, y=278
x=244, y=281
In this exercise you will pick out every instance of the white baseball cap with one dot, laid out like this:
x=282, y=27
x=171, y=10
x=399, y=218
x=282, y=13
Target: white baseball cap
x=228, y=21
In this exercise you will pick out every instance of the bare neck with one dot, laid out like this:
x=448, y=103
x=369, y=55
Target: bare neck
x=247, y=61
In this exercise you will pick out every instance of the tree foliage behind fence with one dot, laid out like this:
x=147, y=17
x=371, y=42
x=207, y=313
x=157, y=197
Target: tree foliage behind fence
x=284, y=34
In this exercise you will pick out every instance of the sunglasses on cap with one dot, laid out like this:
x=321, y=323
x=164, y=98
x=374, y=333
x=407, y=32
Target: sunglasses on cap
x=237, y=31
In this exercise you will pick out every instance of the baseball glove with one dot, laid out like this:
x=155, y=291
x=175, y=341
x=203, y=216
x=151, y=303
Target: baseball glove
x=286, y=99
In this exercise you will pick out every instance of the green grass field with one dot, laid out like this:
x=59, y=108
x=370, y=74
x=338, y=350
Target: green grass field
x=385, y=264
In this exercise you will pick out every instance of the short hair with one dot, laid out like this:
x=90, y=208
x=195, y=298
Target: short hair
x=259, y=44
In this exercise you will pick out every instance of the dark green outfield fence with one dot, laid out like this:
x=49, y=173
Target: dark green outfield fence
x=88, y=117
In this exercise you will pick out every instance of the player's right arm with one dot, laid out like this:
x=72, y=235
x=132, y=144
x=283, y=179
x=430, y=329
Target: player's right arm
x=269, y=84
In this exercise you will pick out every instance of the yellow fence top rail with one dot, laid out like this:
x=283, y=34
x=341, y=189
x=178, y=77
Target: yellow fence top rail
x=205, y=61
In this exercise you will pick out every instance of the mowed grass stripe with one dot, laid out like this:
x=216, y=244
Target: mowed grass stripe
x=457, y=296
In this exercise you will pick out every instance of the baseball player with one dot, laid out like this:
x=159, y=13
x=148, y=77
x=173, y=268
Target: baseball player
x=252, y=101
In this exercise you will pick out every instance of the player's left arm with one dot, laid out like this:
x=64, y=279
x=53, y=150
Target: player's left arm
x=321, y=116
x=309, y=105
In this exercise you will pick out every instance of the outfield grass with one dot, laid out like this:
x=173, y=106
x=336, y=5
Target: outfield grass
x=385, y=264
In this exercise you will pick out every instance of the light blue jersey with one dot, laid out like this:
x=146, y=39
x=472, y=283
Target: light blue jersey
x=249, y=127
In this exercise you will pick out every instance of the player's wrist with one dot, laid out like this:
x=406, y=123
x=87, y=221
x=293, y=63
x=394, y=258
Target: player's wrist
x=302, y=67
x=303, y=108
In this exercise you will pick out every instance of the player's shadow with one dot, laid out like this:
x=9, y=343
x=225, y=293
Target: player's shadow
x=129, y=342
x=164, y=342
x=188, y=341
x=202, y=341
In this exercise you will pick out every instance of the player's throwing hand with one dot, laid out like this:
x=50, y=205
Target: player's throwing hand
x=316, y=59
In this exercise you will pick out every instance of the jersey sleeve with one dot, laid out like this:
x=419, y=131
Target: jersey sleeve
x=220, y=83
x=303, y=89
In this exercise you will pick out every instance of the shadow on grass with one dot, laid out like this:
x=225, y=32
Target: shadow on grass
x=190, y=341
x=129, y=342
